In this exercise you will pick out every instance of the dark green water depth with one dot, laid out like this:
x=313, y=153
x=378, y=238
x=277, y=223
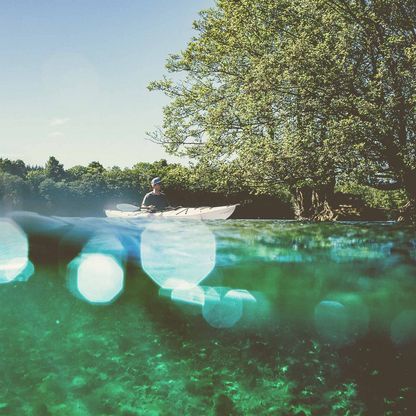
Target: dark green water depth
x=321, y=320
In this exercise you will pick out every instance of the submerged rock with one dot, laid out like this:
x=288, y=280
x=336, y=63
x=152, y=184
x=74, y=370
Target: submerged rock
x=78, y=383
x=224, y=406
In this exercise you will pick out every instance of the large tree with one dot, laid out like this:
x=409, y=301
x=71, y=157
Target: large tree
x=300, y=92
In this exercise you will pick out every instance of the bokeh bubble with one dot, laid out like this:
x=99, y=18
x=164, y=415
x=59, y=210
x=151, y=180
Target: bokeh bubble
x=95, y=277
x=189, y=301
x=242, y=294
x=26, y=273
x=257, y=310
x=14, y=251
x=177, y=254
x=331, y=322
x=403, y=328
x=193, y=296
x=341, y=321
x=222, y=308
x=105, y=243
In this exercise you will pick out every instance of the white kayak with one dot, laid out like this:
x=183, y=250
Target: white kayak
x=202, y=213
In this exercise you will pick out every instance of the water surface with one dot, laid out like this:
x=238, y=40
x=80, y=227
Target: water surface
x=228, y=317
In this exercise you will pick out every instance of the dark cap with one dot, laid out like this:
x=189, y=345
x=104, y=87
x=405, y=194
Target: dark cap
x=156, y=180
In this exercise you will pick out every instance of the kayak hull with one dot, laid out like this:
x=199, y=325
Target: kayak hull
x=202, y=213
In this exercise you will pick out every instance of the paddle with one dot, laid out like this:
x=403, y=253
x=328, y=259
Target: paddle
x=127, y=207
x=133, y=208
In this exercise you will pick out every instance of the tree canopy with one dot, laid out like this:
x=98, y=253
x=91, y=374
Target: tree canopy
x=308, y=94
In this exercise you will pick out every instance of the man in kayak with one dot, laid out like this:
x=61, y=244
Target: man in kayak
x=155, y=200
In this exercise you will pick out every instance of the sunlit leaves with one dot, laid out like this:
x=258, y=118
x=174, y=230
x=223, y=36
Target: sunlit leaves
x=300, y=92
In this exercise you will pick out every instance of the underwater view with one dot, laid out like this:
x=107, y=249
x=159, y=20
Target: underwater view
x=238, y=317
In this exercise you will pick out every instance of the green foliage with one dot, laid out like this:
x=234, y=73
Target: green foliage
x=14, y=191
x=375, y=198
x=13, y=167
x=54, y=194
x=86, y=190
x=76, y=172
x=54, y=169
x=35, y=177
x=95, y=168
x=298, y=92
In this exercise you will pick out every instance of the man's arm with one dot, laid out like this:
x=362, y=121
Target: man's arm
x=145, y=203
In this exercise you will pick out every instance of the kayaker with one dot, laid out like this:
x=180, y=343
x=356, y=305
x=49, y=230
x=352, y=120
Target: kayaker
x=155, y=200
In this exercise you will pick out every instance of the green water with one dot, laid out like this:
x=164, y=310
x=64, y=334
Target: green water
x=332, y=330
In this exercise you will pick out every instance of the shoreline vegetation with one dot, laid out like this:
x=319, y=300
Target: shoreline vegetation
x=307, y=109
x=316, y=97
x=87, y=190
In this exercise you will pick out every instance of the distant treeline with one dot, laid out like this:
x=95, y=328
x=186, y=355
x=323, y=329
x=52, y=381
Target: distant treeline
x=87, y=190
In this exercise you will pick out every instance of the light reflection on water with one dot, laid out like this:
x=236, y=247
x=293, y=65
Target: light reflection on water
x=279, y=318
x=14, y=251
x=342, y=280
x=95, y=277
x=177, y=254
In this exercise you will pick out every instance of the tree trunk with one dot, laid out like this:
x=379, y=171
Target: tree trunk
x=314, y=204
x=408, y=212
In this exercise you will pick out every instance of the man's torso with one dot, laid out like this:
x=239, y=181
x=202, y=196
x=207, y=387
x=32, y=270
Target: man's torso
x=158, y=200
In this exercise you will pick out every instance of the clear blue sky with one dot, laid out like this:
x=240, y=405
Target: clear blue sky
x=73, y=77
